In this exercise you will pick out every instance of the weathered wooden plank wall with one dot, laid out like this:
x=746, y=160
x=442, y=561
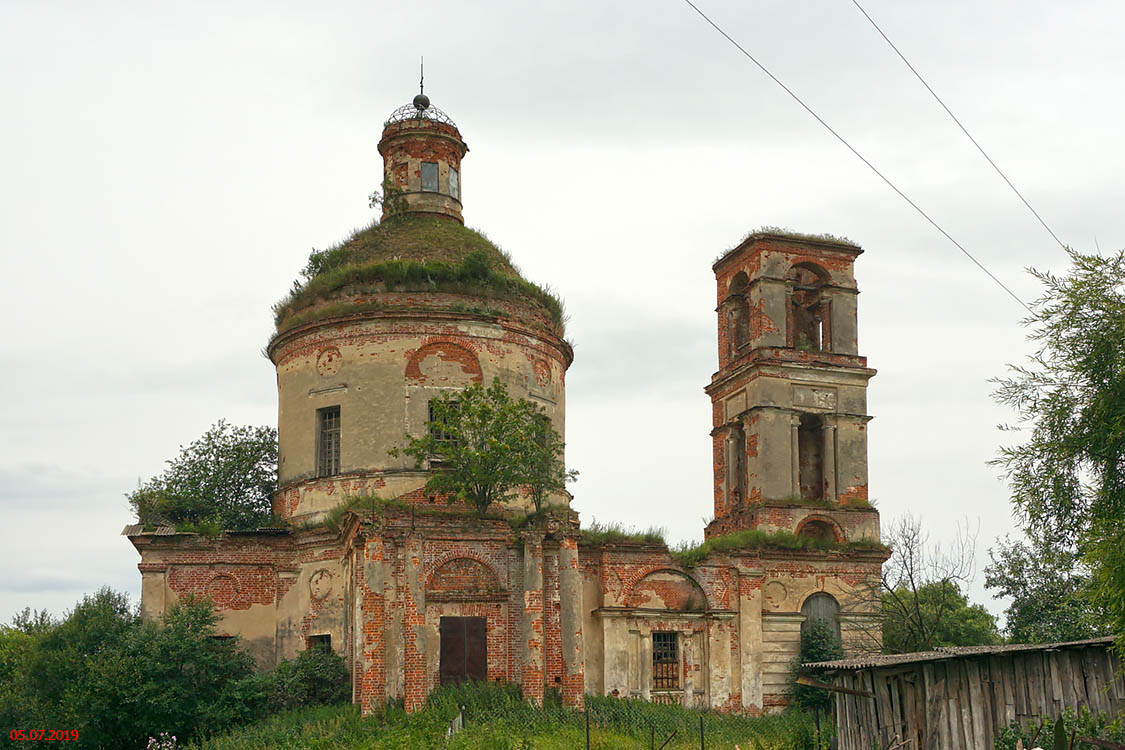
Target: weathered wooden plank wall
x=963, y=702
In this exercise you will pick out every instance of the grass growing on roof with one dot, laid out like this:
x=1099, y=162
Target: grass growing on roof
x=691, y=554
x=771, y=231
x=409, y=254
x=607, y=533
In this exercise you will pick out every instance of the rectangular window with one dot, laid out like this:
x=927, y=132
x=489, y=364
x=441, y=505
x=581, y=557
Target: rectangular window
x=429, y=176
x=439, y=429
x=328, y=441
x=665, y=662
x=320, y=641
x=454, y=184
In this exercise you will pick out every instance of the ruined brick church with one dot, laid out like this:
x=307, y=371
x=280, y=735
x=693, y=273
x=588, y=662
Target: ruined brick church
x=413, y=592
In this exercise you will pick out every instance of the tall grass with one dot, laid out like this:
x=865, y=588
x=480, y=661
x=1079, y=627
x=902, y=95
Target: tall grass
x=410, y=254
x=497, y=718
x=607, y=533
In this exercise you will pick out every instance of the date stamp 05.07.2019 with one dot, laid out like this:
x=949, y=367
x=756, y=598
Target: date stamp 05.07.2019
x=64, y=735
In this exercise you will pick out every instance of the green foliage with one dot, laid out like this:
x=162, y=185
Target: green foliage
x=489, y=447
x=691, y=554
x=392, y=200
x=317, y=676
x=936, y=614
x=223, y=480
x=608, y=533
x=119, y=680
x=1068, y=475
x=408, y=254
x=1050, y=592
x=1083, y=724
x=819, y=642
x=497, y=717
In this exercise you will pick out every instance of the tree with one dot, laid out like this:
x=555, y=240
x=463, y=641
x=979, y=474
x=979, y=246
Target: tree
x=488, y=446
x=1050, y=589
x=922, y=602
x=819, y=642
x=223, y=480
x=1067, y=477
x=937, y=614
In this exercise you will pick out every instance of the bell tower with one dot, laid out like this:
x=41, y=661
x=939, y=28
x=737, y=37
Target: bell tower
x=789, y=400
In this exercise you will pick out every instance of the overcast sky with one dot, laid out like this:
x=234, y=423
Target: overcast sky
x=166, y=168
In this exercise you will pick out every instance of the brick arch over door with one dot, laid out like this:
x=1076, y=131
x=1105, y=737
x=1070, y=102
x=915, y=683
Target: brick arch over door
x=667, y=589
x=463, y=575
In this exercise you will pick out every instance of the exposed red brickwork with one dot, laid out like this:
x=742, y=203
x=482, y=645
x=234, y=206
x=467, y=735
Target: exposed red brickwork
x=464, y=576
x=818, y=518
x=444, y=351
x=231, y=587
x=857, y=494
x=667, y=589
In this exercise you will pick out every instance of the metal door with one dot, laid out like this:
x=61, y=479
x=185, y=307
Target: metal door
x=464, y=649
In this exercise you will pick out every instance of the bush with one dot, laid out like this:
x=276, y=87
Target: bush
x=118, y=680
x=1083, y=724
x=316, y=676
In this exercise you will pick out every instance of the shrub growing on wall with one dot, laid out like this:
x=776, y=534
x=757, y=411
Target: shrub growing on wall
x=223, y=480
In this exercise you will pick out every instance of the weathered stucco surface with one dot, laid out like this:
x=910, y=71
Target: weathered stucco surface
x=789, y=408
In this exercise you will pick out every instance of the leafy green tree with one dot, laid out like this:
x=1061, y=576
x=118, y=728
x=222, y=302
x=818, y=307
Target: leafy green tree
x=119, y=680
x=222, y=480
x=489, y=447
x=1067, y=477
x=936, y=614
x=819, y=642
x=1050, y=589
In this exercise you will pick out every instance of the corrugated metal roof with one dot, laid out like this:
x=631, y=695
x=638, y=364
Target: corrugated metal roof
x=951, y=652
x=136, y=529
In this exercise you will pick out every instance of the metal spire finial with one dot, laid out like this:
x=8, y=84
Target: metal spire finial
x=421, y=102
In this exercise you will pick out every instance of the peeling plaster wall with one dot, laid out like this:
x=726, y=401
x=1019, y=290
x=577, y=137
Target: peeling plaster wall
x=737, y=642
x=382, y=373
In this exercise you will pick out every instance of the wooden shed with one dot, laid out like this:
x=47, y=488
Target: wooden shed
x=959, y=698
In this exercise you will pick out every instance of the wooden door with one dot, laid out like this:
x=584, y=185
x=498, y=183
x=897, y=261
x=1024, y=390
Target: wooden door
x=464, y=649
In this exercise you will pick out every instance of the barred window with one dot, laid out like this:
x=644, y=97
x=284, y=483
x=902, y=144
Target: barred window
x=328, y=441
x=321, y=641
x=665, y=662
x=439, y=428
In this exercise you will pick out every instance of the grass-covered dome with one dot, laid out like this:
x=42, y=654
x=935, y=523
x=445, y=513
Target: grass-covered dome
x=407, y=254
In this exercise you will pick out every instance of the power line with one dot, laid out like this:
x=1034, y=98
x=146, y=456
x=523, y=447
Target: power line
x=963, y=128
x=858, y=155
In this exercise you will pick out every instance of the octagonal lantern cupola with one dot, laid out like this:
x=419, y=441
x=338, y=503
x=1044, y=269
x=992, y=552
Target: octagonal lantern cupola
x=422, y=151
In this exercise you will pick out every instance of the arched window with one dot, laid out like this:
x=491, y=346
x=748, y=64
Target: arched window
x=808, y=308
x=821, y=531
x=823, y=607
x=737, y=313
